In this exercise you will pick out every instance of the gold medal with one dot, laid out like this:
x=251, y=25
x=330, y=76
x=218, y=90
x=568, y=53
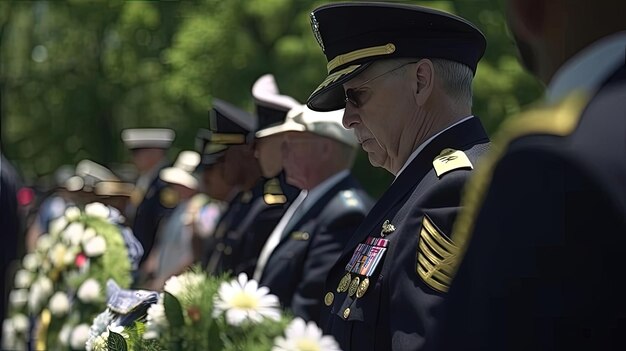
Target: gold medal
x=363, y=287
x=353, y=286
x=329, y=298
x=344, y=283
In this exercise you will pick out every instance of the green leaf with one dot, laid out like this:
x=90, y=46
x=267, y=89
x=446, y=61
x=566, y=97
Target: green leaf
x=173, y=311
x=116, y=342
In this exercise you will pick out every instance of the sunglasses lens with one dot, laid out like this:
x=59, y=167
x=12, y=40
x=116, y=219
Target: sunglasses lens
x=351, y=98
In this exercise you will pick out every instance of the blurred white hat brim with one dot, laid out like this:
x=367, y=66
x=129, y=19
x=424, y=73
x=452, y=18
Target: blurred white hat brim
x=288, y=126
x=178, y=176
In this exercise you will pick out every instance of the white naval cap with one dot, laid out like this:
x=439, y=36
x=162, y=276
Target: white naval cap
x=154, y=138
x=303, y=119
x=182, y=171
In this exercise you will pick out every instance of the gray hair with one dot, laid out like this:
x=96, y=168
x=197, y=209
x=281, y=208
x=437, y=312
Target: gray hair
x=456, y=77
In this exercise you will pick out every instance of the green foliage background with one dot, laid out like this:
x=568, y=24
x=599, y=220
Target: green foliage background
x=73, y=74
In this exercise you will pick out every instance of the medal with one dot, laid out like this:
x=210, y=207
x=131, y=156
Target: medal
x=353, y=286
x=344, y=283
x=363, y=287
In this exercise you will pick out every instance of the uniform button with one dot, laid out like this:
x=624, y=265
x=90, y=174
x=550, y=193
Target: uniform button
x=346, y=313
x=329, y=298
x=220, y=247
x=228, y=250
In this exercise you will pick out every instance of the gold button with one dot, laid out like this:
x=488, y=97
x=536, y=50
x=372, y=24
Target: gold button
x=228, y=250
x=329, y=298
x=346, y=313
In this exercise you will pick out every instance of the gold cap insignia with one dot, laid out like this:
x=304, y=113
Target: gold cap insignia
x=449, y=160
x=315, y=26
x=435, y=257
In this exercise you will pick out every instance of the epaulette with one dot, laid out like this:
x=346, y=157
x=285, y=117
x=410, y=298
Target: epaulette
x=558, y=120
x=272, y=192
x=450, y=160
x=168, y=197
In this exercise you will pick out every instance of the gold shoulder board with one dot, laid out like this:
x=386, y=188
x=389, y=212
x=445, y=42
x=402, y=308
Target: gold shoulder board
x=449, y=160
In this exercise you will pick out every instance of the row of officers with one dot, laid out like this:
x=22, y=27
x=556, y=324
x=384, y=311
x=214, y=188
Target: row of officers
x=515, y=244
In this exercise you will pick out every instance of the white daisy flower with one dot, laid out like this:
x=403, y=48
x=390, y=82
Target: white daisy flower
x=95, y=246
x=20, y=323
x=156, y=321
x=39, y=293
x=100, y=343
x=73, y=234
x=180, y=284
x=72, y=213
x=78, y=337
x=242, y=300
x=99, y=326
x=18, y=298
x=44, y=243
x=97, y=209
x=23, y=279
x=88, y=235
x=31, y=261
x=59, y=304
x=302, y=336
x=57, y=255
x=64, y=334
x=8, y=335
x=57, y=225
x=89, y=291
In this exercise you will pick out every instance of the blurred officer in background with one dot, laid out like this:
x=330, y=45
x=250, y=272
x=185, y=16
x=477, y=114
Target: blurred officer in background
x=317, y=155
x=150, y=202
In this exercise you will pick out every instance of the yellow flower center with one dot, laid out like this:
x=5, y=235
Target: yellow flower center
x=307, y=345
x=244, y=301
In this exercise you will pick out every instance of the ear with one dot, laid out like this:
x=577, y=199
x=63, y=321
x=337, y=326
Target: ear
x=424, y=81
x=526, y=18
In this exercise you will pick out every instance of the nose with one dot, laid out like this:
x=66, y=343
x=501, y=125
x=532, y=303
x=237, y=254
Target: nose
x=350, y=117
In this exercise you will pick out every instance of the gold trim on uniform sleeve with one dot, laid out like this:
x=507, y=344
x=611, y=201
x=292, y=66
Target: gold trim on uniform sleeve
x=560, y=120
x=434, y=249
x=226, y=138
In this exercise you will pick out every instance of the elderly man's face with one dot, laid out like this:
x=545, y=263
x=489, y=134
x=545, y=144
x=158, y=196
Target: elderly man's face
x=384, y=104
x=301, y=151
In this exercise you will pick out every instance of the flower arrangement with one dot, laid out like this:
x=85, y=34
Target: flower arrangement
x=199, y=312
x=59, y=288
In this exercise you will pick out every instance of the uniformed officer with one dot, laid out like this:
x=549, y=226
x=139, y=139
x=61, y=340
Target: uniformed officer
x=403, y=74
x=150, y=201
x=173, y=252
x=318, y=153
x=247, y=219
x=545, y=225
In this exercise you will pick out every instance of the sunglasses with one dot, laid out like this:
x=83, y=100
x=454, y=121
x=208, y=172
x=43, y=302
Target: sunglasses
x=352, y=95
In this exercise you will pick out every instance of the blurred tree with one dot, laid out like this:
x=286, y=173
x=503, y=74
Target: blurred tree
x=73, y=74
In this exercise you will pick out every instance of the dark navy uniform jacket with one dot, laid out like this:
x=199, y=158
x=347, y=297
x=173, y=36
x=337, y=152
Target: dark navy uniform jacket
x=544, y=269
x=149, y=214
x=298, y=266
x=398, y=309
x=246, y=225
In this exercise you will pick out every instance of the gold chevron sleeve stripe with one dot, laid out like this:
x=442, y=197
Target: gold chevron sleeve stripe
x=559, y=120
x=434, y=250
x=359, y=54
